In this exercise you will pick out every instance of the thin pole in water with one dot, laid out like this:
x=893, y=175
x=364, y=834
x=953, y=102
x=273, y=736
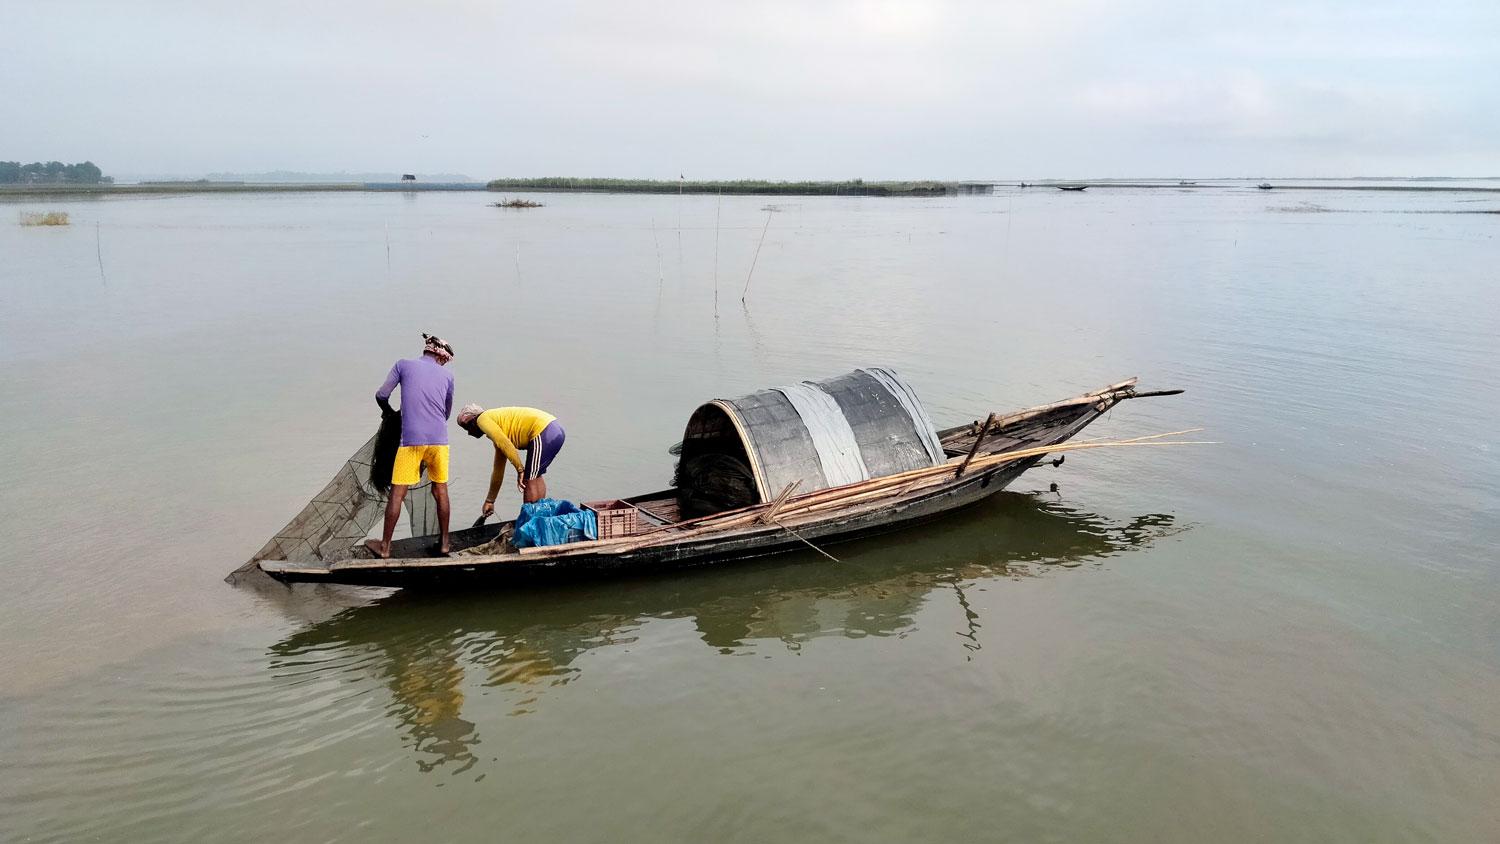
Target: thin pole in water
x=718, y=209
x=99, y=253
x=756, y=258
x=680, y=179
x=1007, y=231
x=660, y=278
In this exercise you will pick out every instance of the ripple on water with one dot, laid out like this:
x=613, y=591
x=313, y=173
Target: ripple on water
x=166, y=749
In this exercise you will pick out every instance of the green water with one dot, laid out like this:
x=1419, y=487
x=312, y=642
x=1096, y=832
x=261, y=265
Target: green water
x=1290, y=636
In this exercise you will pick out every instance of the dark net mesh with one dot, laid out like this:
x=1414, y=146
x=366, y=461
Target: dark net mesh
x=714, y=482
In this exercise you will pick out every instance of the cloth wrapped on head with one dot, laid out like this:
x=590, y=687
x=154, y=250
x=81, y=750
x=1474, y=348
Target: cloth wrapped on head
x=435, y=346
x=467, y=413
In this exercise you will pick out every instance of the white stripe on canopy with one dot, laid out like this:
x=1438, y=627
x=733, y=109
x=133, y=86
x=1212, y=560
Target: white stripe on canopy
x=919, y=419
x=832, y=437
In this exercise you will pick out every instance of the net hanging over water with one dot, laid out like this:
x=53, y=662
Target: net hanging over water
x=344, y=512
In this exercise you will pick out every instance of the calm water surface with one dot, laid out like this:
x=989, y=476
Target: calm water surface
x=1290, y=636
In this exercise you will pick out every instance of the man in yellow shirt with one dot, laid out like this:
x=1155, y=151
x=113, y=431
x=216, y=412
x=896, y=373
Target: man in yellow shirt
x=511, y=428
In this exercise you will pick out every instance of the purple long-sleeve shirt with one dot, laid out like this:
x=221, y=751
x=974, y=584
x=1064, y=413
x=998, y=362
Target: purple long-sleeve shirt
x=426, y=399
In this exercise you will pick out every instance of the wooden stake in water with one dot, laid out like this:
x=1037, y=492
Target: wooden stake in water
x=718, y=209
x=680, y=179
x=660, y=278
x=99, y=253
x=756, y=258
x=1006, y=259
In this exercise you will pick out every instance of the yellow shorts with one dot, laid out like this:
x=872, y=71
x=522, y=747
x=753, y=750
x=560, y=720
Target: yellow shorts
x=411, y=458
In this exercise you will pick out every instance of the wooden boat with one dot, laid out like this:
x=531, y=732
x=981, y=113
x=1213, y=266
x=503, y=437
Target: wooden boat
x=1072, y=187
x=912, y=476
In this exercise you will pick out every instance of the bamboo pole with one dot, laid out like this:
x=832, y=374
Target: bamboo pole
x=978, y=441
x=770, y=515
x=99, y=252
x=861, y=492
x=1042, y=409
x=718, y=209
x=661, y=279
x=868, y=496
x=756, y=258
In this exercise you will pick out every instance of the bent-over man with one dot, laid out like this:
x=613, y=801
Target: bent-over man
x=511, y=429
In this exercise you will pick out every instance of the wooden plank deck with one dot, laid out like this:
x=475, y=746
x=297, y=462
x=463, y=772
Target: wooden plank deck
x=665, y=509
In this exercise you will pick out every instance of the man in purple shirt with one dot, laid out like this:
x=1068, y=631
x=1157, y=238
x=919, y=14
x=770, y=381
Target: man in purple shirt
x=426, y=402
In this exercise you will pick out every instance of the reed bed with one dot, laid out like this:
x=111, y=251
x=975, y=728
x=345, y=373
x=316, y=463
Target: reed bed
x=516, y=203
x=44, y=218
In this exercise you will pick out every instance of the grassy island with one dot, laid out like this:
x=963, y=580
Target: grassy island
x=856, y=187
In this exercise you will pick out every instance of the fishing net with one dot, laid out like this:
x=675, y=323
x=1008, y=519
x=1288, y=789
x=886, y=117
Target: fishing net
x=345, y=511
x=387, y=443
x=712, y=483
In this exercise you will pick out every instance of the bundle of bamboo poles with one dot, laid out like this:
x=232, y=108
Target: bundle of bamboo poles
x=801, y=508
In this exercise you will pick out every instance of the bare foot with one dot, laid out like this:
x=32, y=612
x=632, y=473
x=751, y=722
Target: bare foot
x=378, y=549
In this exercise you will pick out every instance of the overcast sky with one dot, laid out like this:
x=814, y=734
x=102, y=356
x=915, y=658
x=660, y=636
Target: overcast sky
x=816, y=89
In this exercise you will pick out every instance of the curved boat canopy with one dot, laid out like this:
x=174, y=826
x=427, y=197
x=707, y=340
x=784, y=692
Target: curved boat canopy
x=865, y=424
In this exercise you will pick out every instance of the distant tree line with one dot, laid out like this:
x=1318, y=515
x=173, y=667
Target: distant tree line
x=53, y=172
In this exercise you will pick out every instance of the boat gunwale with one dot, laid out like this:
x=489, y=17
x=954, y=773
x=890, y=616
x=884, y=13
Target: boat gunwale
x=623, y=548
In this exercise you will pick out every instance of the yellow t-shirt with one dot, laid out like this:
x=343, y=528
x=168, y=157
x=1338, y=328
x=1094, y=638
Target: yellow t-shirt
x=507, y=427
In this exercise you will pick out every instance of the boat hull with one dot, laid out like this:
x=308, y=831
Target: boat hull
x=713, y=549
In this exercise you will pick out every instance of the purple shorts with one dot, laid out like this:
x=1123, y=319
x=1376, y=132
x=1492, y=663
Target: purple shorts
x=542, y=448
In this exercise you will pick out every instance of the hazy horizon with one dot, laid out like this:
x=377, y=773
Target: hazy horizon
x=281, y=175
x=779, y=91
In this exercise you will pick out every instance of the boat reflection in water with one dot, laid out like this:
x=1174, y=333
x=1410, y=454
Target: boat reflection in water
x=428, y=648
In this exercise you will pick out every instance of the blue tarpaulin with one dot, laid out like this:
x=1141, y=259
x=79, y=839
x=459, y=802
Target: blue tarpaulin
x=553, y=522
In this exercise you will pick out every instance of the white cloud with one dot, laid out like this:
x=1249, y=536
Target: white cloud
x=778, y=89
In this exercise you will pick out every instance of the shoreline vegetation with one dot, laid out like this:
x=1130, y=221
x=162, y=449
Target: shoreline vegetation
x=52, y=173
x=745, y=187
x=203, y=186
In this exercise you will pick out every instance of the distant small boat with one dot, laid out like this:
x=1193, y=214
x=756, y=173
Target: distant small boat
x=1024, y=185
x=1187, y=183
x=1264, y=185
x=1072, y=187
